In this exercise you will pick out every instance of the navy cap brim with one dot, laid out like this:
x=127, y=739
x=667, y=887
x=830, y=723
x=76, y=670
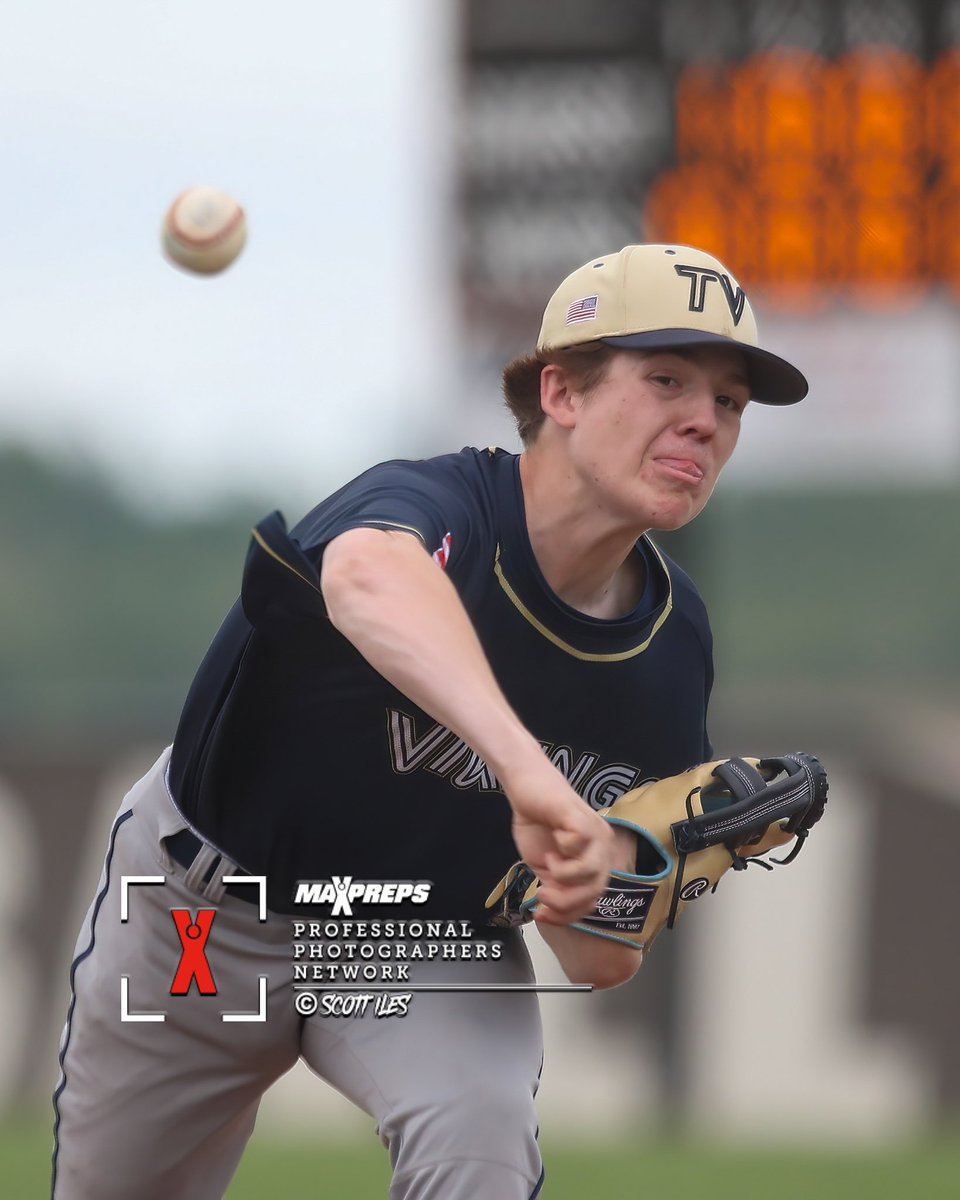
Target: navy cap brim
x=772, y=379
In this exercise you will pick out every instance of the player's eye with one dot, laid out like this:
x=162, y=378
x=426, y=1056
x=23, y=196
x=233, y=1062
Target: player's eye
x=665, y=380
x=730, y=402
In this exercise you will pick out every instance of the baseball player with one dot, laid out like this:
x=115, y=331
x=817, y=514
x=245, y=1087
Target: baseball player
x=446, y=666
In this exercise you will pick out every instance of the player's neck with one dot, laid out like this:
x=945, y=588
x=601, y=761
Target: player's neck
x=587, y=558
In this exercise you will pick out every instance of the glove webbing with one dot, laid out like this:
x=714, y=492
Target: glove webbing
x=811, y=788
x=736, y=823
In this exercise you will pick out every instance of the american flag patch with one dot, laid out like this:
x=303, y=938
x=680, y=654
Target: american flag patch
x=442, y=553
x=582, y=310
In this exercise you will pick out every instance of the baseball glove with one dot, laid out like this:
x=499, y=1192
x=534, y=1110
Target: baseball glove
x=690, y=830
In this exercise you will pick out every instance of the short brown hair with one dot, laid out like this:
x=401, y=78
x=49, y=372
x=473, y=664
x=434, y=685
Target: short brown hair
x=585, y=365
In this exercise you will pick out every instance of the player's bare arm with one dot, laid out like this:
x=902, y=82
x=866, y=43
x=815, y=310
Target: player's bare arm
x=385, y=594
x=597, y=961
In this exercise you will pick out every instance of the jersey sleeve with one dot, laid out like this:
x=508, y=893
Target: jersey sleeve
x=425, y=499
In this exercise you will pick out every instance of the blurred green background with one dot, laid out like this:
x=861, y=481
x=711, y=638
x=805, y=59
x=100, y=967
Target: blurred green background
x=640, y=1168
x=112, y=610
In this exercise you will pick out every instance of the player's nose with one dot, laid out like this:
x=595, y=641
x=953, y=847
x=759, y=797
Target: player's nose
x=698, y=417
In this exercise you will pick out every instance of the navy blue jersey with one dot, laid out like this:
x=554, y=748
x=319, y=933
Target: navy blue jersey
x=299, y=761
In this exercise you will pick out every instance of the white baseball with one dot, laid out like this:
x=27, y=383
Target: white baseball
x=204, y=230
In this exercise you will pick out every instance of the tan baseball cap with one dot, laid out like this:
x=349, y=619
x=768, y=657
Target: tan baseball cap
x=655, y=297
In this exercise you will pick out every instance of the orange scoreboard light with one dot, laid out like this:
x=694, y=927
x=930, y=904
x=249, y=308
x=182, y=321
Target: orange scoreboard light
x=822, y=179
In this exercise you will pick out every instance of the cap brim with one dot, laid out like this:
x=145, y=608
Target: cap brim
x=772, y=379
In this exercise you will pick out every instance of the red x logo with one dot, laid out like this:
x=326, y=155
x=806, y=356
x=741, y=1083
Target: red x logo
x=193, y=960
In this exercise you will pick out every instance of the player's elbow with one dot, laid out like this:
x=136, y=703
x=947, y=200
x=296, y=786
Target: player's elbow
x=610, y=970
x=598, y=962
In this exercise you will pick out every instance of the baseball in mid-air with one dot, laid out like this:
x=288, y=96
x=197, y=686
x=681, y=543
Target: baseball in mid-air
x=204, y=230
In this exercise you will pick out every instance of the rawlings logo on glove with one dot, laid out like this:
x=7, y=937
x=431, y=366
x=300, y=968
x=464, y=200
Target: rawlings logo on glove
x=624, y=907
x=690, y=830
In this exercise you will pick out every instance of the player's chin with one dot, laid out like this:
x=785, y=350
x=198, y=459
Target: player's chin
x=672, y=504
x=681, y=505
x=680, y=512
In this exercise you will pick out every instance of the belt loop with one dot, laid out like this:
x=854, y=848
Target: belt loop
x=204, y=867
x=214, y=889
x=199, y=870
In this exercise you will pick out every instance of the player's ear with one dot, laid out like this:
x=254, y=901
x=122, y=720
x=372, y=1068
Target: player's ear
x=557, y=398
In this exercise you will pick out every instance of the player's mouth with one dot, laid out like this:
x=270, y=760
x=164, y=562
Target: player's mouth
x=684, y=469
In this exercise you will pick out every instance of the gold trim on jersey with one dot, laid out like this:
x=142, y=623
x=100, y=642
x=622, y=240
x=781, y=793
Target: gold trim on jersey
x=583, y=655
x=258, y=538
x=394, y=525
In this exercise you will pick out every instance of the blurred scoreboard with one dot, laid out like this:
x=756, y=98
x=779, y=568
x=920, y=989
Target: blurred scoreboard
x=812, y=145
x=815, y=144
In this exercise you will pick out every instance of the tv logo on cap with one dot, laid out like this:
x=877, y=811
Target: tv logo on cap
x=699, y=278
x=342, y=892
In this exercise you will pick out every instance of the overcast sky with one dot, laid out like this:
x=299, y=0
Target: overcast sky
x=327, y=344
x=332, y=342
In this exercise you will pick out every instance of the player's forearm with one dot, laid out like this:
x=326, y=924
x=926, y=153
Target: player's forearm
x=588, y=959
x=386, y=596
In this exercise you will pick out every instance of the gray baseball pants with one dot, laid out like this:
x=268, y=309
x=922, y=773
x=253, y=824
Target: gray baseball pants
x=162, y=1110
